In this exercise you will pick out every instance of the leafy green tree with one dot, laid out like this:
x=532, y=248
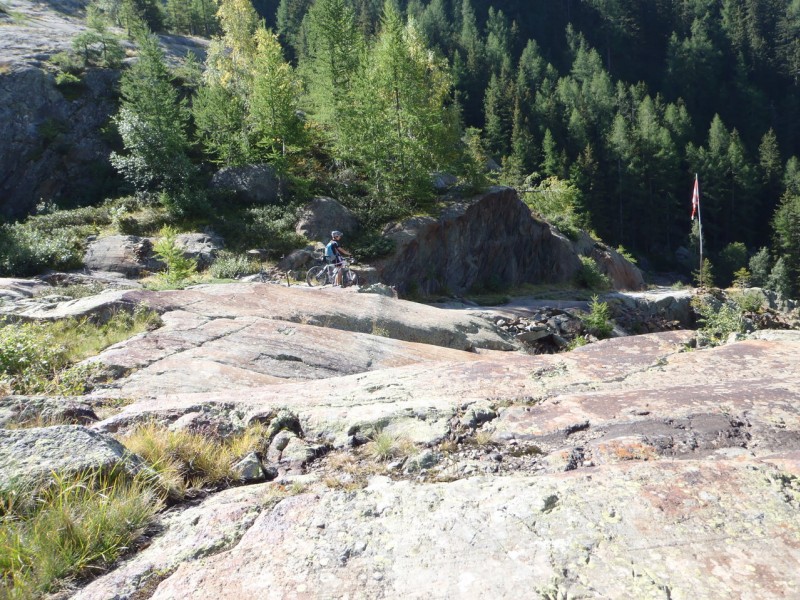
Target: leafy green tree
x=289, y=16
x=499, y=114
x=436, y=25
x=400, y=126
x=770, y=169
x=760, y=266
x=786, y=226
x=152, y=123
x=780, y=279
x=220, y=121
x=732, y=258
x=791, y=177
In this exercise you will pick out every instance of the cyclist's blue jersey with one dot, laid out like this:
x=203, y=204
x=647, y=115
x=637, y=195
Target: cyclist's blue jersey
x=332, y=252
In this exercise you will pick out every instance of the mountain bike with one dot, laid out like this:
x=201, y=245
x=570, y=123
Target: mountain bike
x=326, y=274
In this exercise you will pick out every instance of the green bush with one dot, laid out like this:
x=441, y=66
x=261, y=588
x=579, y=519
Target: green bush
x=272, y=227
x=25, y=250
x=87, y=218
x=749, y=301
x=590, y=277
x=598, y=321
x=717, y=319
x=371, y=245
x=732, y=258
x=179, y=268
x=67, y=62
x=229, y=265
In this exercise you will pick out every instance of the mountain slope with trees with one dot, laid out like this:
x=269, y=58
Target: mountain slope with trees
x=600, y=111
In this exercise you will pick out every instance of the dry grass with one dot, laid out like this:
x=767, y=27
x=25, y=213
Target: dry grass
x=187, y=460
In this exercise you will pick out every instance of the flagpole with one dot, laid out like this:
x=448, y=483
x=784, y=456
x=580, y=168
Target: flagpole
x=700, y=229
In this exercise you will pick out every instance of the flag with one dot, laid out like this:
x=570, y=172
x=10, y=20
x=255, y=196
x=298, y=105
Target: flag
x=695, y=198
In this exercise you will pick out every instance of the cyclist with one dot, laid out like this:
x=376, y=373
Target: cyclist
x=333, y=255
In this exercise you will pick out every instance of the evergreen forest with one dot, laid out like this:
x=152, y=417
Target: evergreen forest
x=600, y=112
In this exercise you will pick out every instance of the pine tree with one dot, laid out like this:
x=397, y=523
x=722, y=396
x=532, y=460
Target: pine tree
x=759, y=266
x=273, y=101
x=152, y=123
x=335, y=50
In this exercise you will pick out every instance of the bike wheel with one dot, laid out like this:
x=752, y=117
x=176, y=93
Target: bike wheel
x=317, y=276
x=349, y=278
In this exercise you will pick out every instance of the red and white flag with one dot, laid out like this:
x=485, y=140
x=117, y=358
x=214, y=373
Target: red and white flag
x=695, y=198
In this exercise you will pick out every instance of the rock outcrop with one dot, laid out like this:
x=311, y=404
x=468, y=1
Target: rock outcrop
x=53, y=143
x=35, y=454
x=133, y=256
x=323, y=215
x=489, y=242
x=629, y=467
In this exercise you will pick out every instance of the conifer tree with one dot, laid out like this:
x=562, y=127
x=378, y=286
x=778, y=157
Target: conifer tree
x=152, y=123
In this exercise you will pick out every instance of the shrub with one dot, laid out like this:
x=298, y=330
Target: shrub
x=273, y=226
x=371, y=245
x=717, y=319
x=749, y=301
x=68, y=529
x=229, y=265
x=598, y=320
x=179, y=268
x=732, y=258
x=25, y=250
x=589, y=275
x=558, y=202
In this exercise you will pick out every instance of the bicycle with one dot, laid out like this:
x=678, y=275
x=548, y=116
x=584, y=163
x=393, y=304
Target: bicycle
x=326, y=274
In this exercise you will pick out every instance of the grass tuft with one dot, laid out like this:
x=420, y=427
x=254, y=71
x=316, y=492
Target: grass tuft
x=186, y=460
x=69, y=528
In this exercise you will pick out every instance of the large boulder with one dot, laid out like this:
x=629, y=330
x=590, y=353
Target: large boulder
x=35, y=454
x=323, y=215
x=126, y=254
x=202, y=247
x=489, y=241
x=132, y=255
x=252, y=184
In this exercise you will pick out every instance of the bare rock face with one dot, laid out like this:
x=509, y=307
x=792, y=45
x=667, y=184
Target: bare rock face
x=623, y=531
x=53, y=146
x=630, y=467
x=491, y=241
x=323, y=215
